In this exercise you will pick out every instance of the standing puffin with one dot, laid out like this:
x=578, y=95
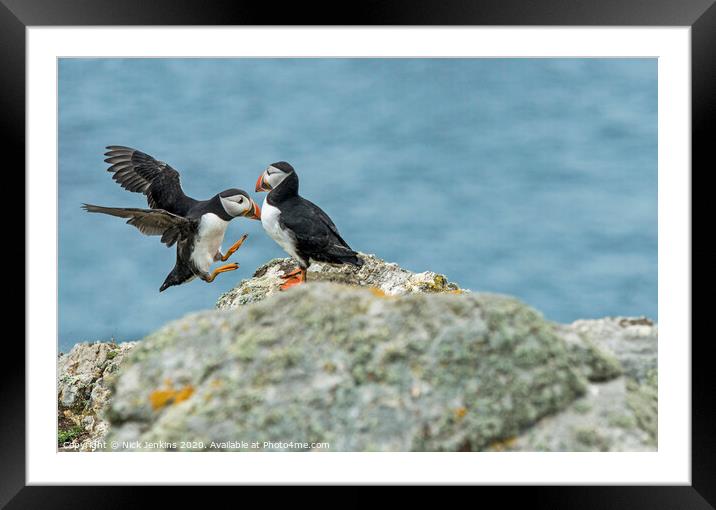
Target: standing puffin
x=300, y=227
x=197, y=227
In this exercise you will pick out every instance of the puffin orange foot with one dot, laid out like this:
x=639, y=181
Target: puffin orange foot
x=293, y=273
x=223, y=269
x=233, y=248
x=291, y=282
x=295, y=279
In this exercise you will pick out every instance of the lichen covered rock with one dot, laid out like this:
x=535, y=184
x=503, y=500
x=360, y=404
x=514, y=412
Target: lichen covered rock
x=632, y=340
x=82, y=394
x=370, y=359
x=350, y=367
x=375, y=273
x=596, y=363
x=620, y=413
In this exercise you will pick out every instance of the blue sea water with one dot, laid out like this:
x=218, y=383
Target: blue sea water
x=530, y=177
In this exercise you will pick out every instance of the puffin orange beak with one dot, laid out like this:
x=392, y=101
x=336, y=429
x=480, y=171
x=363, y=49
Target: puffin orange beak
x=255, y=211
x=261, y=185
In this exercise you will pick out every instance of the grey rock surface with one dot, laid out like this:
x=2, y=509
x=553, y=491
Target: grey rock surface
x=621, y=413
x=360, y=371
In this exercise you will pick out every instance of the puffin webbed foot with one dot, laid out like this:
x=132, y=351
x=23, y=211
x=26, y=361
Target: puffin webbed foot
x=291, y=274
x=233, y=248
x=223, y=269
x=294, y=278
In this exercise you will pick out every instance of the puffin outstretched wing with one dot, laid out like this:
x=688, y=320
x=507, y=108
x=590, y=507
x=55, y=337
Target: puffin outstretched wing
x=139, y=172
x=316, y=234
x=151, y=222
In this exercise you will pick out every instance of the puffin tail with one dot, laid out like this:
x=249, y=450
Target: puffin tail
x=353, y=259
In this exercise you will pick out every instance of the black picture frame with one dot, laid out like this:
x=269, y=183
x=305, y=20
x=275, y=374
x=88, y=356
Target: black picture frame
x=700, y=15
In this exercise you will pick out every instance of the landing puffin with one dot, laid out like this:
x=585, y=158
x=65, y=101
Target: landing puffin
x=197, y=227
x=300, y=227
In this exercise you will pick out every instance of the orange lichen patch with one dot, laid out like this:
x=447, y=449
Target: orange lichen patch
x=459, y=413
x=216, y=383
x=183, y=394
x=456, y=291
x=503, y=444
x=162, y=398
x=378, y=292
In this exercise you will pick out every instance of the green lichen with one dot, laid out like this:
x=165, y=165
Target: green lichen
x=68, y=435
x=596, y=363
x=582, y=407
x=642, y=399
x=590, y=439
x=622, y=420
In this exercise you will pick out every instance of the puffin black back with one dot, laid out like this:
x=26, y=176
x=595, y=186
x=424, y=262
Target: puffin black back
x=299, y=226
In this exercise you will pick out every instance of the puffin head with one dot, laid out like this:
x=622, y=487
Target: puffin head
x=273, y=176
x=237, y=202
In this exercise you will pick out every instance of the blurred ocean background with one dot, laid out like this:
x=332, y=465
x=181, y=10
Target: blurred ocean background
x=530, y=177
